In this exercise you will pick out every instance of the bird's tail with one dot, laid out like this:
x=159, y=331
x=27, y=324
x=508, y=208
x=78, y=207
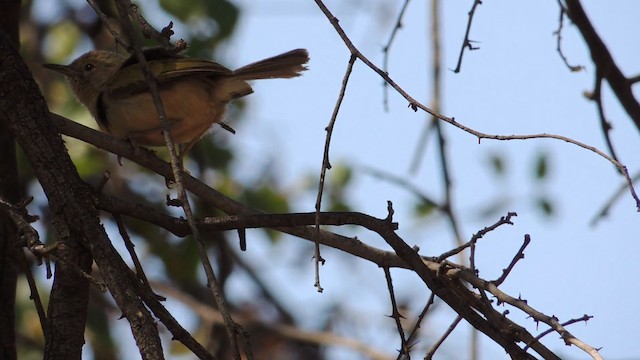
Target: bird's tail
x=287, y=65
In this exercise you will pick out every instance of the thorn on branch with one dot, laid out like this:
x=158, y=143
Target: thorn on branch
x=242, y=234
x=103, y=181
x=173, y=202
x=167, y=31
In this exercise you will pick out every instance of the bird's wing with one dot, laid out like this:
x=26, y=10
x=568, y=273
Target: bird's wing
x=130, y=79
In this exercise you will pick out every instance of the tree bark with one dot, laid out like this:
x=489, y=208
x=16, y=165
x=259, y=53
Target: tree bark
x=76, y=223
x=10, y=191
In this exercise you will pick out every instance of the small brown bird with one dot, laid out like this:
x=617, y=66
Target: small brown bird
x=194, y=92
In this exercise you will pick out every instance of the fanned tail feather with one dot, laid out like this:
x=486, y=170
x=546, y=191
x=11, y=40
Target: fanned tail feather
x=287, y=65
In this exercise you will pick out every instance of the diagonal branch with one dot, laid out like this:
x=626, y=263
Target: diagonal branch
x=76, y=221
x=604, y=62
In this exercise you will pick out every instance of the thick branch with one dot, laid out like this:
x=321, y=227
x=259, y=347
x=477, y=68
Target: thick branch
x=604, y=62
x=76, y=220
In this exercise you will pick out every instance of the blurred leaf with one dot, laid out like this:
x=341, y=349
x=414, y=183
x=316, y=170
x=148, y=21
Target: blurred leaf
x=424, y=209
x=339, y=206
x=266, y=199
x=222, y=14
x=545, y=206
x=226, y=16
x=541, y=165
x=341, y=175
x=209, y=153
x=497, y=164
x=62, y=40
x=183, y=9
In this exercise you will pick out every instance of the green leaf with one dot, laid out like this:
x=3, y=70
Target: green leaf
x=267, y=199
x=424, y=208
x=183, y=10
x=225, y=15
x=545, y=205
x=340, y=175
x=497, y=164
x=541, y=166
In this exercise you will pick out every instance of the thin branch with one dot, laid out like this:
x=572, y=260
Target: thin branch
x=634, y=79
x=504, y=220
x=466, y=43
x=35, y=296
x=232, y=328
x=605, y=125
x=414, y=331
x=131, y=249
x=395, y=314
x=108, y=24
x=519, y=255
x=558, y=34
x=612, y=200
x=385, y=52
x=326, y=164
x=444, y=336
x=584, y=318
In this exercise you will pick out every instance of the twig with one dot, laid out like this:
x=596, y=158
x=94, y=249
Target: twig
x=558, y=34
x=605, y=125
x=107, y=23
x=326, y=164
x=612, y=200
x=385, y=51
x=414, y=331
x=504, y=220
x=395, y=314
x=415, y=105
x=584, y=318
x=519, y=255
x=436, y=93
x=35, y=296
x=466, y=43
x=444, y=336
x=132, y=251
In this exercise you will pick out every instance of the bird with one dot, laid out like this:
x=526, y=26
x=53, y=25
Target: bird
x=194, y=92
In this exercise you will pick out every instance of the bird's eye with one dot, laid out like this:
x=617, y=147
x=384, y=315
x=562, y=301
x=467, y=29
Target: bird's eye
x=89, y=67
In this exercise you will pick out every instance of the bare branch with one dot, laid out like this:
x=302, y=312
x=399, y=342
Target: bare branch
x=444, y=336
x=326, y=164
x=558, y=34
x=504, y=220
x=386, y=53
x=395, y=314
x=519, y=255
x=466, y=43
x=604, y=62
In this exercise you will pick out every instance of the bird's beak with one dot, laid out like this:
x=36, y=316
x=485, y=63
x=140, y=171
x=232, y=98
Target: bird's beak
x=63, y=69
